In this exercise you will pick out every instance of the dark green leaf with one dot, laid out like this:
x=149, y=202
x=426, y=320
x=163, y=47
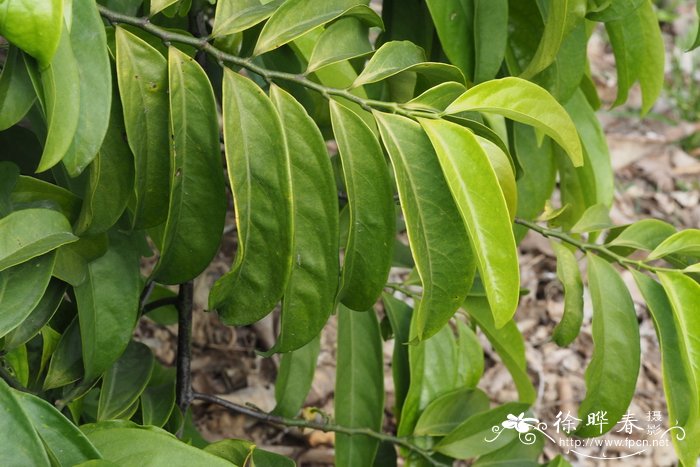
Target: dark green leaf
x=294, y=378
x=31, y=192
x=21, y=444
x=490, y=36
x=72, y=259
x=448, y=411
x=158, y=400
x=16, y=91
x=123, y=383
x=66, y=362
x=399, y=314
x=39, y=316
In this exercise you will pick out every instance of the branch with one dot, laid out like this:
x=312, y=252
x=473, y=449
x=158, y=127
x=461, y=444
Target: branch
x=325, y=427
x=161, y=302
x=591, y=247
x=202, y=43
x=183, y=388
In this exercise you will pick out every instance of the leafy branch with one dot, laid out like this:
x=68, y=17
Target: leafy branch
x=202, y=43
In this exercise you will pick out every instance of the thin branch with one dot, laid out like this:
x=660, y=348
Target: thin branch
x=161, y=302
x=183, y=389
x=202, y=43
x=325, y=427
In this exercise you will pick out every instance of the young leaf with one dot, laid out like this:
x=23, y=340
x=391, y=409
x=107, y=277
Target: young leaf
x=197, y=205
x=39, y=316
x=294, y=378
x=639, y=54
x=370, y=200
x=310, y=295
x=484, y=211
x=142, y=74
x=438, y=239
x=297, y=17
x=16, y=91
x=344, y=39
x=34, y=27
x=686, y=242
x=89, y=44
x=523, y=102
x=359, y=386
x=60, y=82
x=29, y=233
x=124, y=381
x=569, y=275
x=258, y=170
x=238, y=15
x=611, y=375
x=108, y=309
x=448, y=411
x=646, y=234
x=21, y=443
x=21, y=289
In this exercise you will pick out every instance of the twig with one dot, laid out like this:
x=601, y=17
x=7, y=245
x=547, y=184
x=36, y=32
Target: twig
x=183, y=389
x=161, y=302
x=325, y=427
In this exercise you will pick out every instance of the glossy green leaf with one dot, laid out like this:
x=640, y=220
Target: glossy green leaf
x=110, y=179
x=21, y=290
x=569, y=275
x=359, y=385
x=371, y=205
x=310, y=294
x=60, y=81
x=294, y=18
x=484, y=211
x=158, y=399
x=89, y=44
x=72, y=259
x=238, y=15
x=129, y=445
x=40, y=314
x=686, y=242
x=259, y=175
x=16, y=91
x=33, y=25
x=507, y=342
x=611, y=375
x=108, y=309
x=503, y=168
x=645, y=234
x=395, y=57
x=451, y=409
x=524, y=102
x=455, y=27
x=438, y=239
x=593, y=219
x=562, y=16
x=438, y=97
x=21, y=443
x=142, y=75
x=615, y=10
x=124, y=381
x=639, y=54
x=159, y=5
x=66, y=364
x=31, y=192
x=197, y=205
x=399, y=314
x=469, y=439
x=294, y=378
x=29, y=233
x=344, y=39
x=62, y=439
x=490, y=36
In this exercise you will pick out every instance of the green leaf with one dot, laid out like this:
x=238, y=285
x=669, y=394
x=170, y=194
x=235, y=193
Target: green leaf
x=63, y=440
x=569, y=275
x=444, y=260
x=448, y=411
x=470, y=356
x=66, y=364
x=238, y=15
x=258, y=170
x=536, y=184
x=60, y=81
x=645, y=234
x=108, y=309
x=562, y=17
x=129, y=445
x=89, y=44
x=159, y=5
x=503, y=168
x=294, y=18
x=611, y=375
x=515, y=454
x=40, y=314
x=344, y=39
x=242, y=452
x=615, y=10
x=593, y=219
x=197, y=205
x=31, y=192
x=696, y=43
x=158, y=399
x=310, y=294
x=469, y=439
x=399, y=314
x=684, y=295
x=29, y=233
x=437, y=98
x=523, y=102
x=368, y=184
x=21, y=443
x=490, y=37
x=359, y=385
x=110, y=179
x=395, y=57
x=142, y=75
x=294, y=378
x=123, y=383
x=507, y=342
x=686, y=242
x=639, y=54
x=18, y=363
x=9, y=175
x=33, y=26
x=16, y=91
x=484, y=211
x=21, y=290
x=72, y=259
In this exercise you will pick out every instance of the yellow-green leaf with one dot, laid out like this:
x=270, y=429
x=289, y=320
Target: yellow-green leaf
x=33, y=25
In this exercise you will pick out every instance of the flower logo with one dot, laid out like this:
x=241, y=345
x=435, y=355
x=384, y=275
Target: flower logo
x=519, y=423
